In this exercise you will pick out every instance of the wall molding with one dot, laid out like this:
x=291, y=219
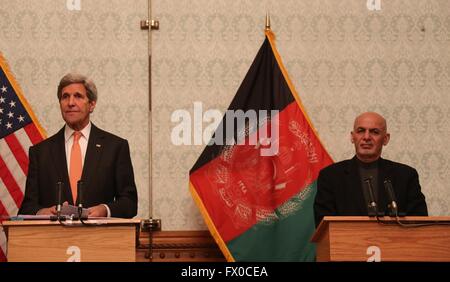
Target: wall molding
x=178, y=246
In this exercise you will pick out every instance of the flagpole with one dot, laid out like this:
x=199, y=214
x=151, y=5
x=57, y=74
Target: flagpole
x=150, y=224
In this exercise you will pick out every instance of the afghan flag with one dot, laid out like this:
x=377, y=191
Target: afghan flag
x=255, y=182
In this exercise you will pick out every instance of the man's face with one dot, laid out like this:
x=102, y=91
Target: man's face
x=75, y=106
x=369, y=136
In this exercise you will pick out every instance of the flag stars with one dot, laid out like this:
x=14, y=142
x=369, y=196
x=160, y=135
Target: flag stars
x=21, y=118
x=1, y=110
x=10, y=115
x=2, y=100
x=12, y=104
x=4, y=89
x=8, y=125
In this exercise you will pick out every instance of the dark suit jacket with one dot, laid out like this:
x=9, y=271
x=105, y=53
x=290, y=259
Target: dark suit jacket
x=107, y=174
x=339, y=190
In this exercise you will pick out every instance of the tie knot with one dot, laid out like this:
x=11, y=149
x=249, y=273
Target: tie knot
x=76, y=136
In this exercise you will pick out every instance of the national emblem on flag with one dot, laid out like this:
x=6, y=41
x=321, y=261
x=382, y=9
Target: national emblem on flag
x=19, y=129
x=256, y=188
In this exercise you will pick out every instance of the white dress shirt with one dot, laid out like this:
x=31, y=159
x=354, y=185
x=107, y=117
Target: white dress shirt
x=83, y=141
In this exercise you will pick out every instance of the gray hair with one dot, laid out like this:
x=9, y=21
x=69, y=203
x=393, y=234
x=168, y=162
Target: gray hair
x=72, y=78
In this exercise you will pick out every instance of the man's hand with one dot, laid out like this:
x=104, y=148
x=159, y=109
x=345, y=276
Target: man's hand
x=98, y=211
x=50, y=210
x=47, y=211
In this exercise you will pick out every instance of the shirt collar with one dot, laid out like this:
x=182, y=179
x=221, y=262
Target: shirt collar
x=84, y=132
x=373, y=164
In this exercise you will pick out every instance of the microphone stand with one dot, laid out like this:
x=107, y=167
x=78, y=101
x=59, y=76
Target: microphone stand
x=80, y=184
x=372, y=205
x=58, y=216
x=80, y=188
x=59, y=188
x=394, y=210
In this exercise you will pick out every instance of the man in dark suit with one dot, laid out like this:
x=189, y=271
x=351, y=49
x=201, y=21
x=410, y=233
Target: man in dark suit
x=80, y=151
x=342, y=188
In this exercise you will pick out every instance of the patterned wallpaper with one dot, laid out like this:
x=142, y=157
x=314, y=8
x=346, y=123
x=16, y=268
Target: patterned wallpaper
x=343, y=58
x=43, y=40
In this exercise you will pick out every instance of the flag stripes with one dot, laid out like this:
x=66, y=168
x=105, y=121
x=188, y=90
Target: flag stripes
x=19, y=129
x=257, y=206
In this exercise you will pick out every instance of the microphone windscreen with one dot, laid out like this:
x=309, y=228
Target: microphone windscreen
x=80, y=193
x=59, y=195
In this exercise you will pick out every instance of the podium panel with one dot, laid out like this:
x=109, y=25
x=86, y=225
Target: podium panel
x=47, y=241
x=345, y=238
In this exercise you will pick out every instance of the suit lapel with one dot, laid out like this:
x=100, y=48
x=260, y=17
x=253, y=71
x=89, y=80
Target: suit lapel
x=354, y=184
x=60, y=164
x=93, y=156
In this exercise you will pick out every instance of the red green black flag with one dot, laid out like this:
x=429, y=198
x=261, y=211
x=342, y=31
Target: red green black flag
x=256, y=180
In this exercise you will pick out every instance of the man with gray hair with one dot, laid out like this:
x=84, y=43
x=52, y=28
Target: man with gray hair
x=347, y=187
x=80, y=151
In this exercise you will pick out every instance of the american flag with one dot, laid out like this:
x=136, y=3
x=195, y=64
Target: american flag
x=19, y=129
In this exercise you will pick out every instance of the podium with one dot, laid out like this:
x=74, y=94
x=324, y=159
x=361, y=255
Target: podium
x=49, y=241
x=361, y=238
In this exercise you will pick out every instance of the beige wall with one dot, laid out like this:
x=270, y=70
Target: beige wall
x=342, y=58
x=43, y=40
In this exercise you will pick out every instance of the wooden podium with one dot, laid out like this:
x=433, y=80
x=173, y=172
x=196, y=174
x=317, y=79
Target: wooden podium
x=360, y=238
x=48, y=241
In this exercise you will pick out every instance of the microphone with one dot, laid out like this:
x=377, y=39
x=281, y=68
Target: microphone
x=372, y=205
x=58, y=216
x=59, y=185
x=391, y=195
x=80, y=198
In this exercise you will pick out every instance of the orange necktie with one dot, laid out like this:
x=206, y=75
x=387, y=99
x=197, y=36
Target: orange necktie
x=75, y=164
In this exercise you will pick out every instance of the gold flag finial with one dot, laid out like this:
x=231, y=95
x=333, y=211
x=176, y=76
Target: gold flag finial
x=267, y=21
